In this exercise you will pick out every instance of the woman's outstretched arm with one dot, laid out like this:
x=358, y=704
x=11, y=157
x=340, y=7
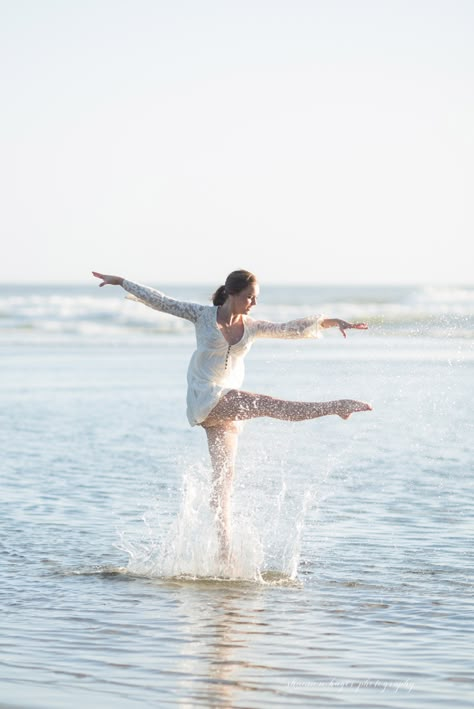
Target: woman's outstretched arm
x=153, y=298
x=310, y=326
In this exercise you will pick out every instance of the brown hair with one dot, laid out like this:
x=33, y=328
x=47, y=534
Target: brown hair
x=235, y=282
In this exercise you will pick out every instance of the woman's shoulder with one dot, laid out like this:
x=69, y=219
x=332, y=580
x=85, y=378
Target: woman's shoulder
x=207, y=312
x=250, y=322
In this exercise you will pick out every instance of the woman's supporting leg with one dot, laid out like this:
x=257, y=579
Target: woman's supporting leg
x=222, y=442
x=240, y=405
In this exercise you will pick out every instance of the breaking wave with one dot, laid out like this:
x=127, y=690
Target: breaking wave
x=51, y=313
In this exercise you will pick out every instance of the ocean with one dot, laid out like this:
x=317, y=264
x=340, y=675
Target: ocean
x=353, y=580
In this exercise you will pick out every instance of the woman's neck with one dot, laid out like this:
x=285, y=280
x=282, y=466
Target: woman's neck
x=226, y=314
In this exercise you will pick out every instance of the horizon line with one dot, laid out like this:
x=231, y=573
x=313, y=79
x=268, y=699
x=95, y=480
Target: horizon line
x=293, y=284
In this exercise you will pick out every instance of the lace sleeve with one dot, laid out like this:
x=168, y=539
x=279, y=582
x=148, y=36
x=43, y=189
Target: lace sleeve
x=157, y=300
x=294, y=329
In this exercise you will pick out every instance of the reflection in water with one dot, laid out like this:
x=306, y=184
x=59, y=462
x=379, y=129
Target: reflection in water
x=220, y=635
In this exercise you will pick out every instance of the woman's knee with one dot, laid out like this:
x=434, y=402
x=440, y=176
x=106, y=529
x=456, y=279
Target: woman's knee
x=222, y=428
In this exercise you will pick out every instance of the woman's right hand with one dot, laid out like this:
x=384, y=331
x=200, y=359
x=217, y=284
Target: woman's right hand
x=108, y=280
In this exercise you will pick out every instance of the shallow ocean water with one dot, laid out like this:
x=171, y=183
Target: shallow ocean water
x=353, y=539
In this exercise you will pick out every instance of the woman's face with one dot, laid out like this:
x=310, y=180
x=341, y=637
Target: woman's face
x=245, y=300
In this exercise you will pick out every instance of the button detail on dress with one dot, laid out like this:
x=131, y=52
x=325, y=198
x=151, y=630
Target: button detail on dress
x=227, y=356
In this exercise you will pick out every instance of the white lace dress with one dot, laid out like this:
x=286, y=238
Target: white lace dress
x=216, y=367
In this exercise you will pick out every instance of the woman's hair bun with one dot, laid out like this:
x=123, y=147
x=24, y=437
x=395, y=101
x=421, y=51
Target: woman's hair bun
x=220, y=296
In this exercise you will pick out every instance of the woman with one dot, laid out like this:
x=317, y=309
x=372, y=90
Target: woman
x=224, y=335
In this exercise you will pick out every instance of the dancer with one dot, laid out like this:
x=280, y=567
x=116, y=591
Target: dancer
x=224, y=335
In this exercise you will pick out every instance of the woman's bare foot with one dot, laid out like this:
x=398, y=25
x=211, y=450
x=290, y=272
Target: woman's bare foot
x=227, y=565
x=346, y=407
x=226, y=559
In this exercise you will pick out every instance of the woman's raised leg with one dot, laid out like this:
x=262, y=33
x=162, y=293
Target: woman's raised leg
x=222, y=441
x=240, y=405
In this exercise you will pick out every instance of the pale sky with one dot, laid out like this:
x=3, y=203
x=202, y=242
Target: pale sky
x=309, y=141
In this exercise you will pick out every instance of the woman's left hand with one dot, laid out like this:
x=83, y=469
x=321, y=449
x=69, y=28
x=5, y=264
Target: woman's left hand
x=343, y=326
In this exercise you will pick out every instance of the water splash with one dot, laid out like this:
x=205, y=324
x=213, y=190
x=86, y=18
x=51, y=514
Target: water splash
x=266, y=535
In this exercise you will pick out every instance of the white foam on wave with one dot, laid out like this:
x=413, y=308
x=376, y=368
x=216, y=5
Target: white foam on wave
x=446, y=295
x=80, y=314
